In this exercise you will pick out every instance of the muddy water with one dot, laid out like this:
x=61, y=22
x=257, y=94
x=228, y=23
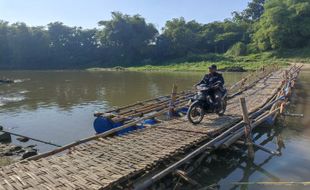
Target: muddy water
x=58, y=106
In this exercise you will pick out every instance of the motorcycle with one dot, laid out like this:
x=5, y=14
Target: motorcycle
x=203, y=103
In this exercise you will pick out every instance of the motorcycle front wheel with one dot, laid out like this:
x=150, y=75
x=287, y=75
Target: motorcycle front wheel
x=195, y=113
x=223, y=107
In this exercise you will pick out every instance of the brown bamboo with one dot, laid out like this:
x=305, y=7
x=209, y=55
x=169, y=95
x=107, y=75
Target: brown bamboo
x=240, y=133
x=105, y=134
x=173, y=100
x=139, y=103
x=247, y=128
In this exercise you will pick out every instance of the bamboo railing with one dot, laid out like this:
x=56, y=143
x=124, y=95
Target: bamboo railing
x=234, y=133
x=139, y=109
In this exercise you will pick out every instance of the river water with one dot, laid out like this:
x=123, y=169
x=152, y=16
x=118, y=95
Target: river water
x=58, y=106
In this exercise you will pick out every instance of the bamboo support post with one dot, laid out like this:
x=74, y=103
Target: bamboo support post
x=273, y=152
x=247, y=128
x=174, y=166
x=277, y=153
x=238, y=134
x=185, y=177
x=173, y=100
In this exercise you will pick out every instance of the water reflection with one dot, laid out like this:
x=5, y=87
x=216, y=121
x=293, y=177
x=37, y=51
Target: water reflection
x=70, y=88
x=57, y=106
x=229, y=168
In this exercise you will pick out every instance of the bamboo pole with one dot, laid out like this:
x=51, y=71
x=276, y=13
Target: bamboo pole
x=123, y=117
x=247, y=128
x=199, y=150
x=120, y=116
x=184, y=176
x=174, y=166
x=105, y=134
x=149, y=110
x=193, y=154
x=145, y=110
x=280, y=183
x=256, y=123
x=153, y=104
x=34, y=139
x=273, y=112
x=172, y=101
x=141, y=103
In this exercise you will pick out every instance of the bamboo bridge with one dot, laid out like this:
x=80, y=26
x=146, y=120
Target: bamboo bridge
x=139, y=158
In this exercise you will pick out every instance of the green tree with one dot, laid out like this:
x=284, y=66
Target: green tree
x=182, y=37
x=252, y=13
x=72, y=47
x=285, y=24
x=218, y=37
x=4, y=47
x=126, y=38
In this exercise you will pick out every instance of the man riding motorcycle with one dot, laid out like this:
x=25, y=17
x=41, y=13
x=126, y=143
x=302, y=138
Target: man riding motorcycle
x=212, y=78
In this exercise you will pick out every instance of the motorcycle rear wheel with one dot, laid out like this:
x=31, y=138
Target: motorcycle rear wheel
x=195, y=113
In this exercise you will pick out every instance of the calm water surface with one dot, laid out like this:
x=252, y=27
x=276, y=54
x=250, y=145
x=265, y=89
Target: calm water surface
x=58, y=106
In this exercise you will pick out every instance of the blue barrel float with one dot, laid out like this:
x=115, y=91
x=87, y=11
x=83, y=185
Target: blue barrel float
x=103, y=124
x=183, y=110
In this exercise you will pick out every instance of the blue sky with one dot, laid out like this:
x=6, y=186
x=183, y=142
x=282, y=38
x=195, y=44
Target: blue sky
x=87, y=13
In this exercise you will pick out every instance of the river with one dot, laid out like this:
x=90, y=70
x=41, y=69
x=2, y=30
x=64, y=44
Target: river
x=58, y=106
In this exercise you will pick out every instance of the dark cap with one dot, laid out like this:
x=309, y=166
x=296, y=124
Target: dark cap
x=213, y=67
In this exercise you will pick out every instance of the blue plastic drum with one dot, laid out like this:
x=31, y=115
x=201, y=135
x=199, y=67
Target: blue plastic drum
x=270, y=120
x=102, y=124
x=183, y=110
x=124, y=131
x=150, y=121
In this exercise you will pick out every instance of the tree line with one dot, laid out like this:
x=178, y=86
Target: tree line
x=127, y=40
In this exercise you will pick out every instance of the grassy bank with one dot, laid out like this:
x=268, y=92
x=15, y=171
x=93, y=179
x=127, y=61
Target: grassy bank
x=224, y=62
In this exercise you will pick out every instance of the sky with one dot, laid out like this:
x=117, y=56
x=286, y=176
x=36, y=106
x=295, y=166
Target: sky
x=87, y=13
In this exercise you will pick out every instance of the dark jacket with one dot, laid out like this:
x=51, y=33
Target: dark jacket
x=210, y=79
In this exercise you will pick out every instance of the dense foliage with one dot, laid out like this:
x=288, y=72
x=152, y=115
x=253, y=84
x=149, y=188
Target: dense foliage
x=128, y=40
x=285, y=24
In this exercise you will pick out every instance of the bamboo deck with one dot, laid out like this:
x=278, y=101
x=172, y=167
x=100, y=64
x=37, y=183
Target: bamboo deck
x=102, y=163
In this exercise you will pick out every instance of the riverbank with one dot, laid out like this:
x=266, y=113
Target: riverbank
x=225, y=62
x=197, y=66
x=203, y=66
